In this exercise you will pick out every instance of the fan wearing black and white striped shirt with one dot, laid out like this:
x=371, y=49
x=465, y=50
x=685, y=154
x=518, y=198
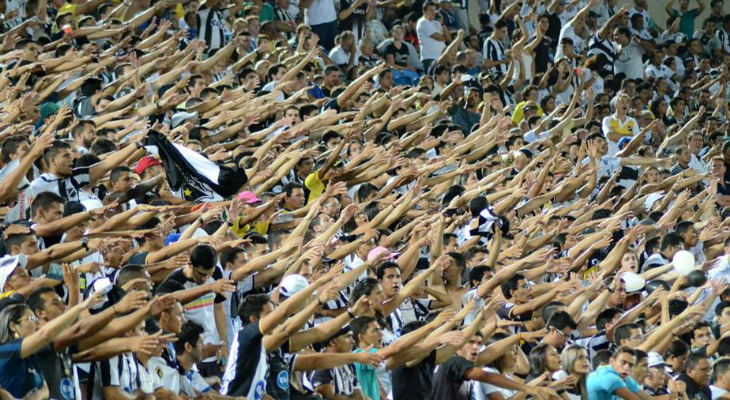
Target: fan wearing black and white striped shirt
x=495, y=57
x=212, y=26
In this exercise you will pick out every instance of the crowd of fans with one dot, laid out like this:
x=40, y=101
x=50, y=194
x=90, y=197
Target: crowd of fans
x=364, y=199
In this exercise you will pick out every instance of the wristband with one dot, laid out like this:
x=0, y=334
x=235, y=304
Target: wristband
x=229, y=223
x=350, y=313
x=138, y=145
x=201, y=220
x=519, y=339
x=319, y=302
x=85, y=243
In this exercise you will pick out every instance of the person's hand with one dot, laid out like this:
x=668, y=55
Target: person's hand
x=144, y=344
x=564, y=384
x=368, y=358
x=531, y=337
x=361, y=306
x=222, y=287
x=329, y=294
x=349, y=212
x=451, y=338
x=130, y=302
x=93, y=300
x=542, y=393
x=160, y=304
x=70, y=277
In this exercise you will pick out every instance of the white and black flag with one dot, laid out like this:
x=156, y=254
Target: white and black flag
x=194, y=177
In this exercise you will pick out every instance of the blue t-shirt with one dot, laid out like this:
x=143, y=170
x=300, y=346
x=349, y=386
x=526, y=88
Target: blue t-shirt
x=605, y=380
x=18, y=376
x=368, y=378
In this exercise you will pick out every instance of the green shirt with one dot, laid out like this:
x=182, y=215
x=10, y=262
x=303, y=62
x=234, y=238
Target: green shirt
x=367, y=378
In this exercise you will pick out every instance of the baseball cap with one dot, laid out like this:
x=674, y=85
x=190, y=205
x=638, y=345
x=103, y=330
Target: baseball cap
x=48, y=109
x=182, y=116
x=292, y=285
x=651, y=199
x=654, y=359
x=530, y=105
x=623, y=142
x=8, y=264
x=380, y=250
x=248, y=197
x=146, y=162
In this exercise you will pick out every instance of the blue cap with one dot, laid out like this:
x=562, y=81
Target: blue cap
x=623, y=142
x=171, y=238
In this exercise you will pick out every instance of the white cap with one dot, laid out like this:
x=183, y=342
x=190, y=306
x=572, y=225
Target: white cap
x=8, y=264
x=655, y=360
x=292, y=285
x=182, y=116
x=651, y=199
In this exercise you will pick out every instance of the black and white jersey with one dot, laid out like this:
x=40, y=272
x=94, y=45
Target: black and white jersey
x=70, y=187
x=120, y=371
x=342, y=378
x=212, y=28
x=595, y=343
x=494, y=50
x=247, y=365
x=596, y=45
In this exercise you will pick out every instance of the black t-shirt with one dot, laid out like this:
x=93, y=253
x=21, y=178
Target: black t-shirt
x=248, y=364
x=57, y=372
x=139, y=258
x=694, y=391
x=356, y=21
x=400, y=56
x=179, y=276
x=449, y=382
x=332, y=104
x=542, y=55
x=280, y=364
x=412, y=383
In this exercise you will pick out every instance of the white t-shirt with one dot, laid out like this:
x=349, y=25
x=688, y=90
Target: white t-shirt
x=628, y=61
x=483, y=390
x=430, y=48
x=320, y=12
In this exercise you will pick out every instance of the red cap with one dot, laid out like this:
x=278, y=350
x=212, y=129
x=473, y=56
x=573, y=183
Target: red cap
x=146, y=162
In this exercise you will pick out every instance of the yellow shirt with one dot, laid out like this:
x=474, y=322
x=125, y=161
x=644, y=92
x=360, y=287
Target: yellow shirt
x=313, y=187
x=261, y=227
x=519, y=113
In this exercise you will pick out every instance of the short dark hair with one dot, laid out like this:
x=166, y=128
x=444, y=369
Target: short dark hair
x=102, y=145
x=229, y=255
x=190, y=332
x=693, y=359
x=380, y=272
x=623, y=332
x=720, y=367
x=44, y=201
x=700, y=325
x=117, y=173
x=623, y=349
x=168, y=286
x=359, y=325
x=10, y=146
x=129, y=272
x=605, y=317
x=35, y=302
x=601, y=358
x=561, y=320
x=511, y=284
x=671, y=240
x=251, y=306
x=362, y=288
x=677, y=348
x=203, y=256
x=501, y=23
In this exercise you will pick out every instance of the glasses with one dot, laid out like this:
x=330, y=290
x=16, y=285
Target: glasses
x=525, y=286
x=30, y=318
x=637, y=337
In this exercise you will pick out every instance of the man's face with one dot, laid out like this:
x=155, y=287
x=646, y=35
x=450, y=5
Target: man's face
x=174, y=318
x=386, y=81
x=122, y=184
x=53, y=213
x=62, y=162
x=695, y=143
x=331, y=79
x=18, y=279
x=619, y=293
x=702, y=337
x=200, y=275
x=296, y=200
x=641, y=371
x=372, y=336
x=718, y=168
x=470, y=351
x=29, y=246
x=700, y=374
x=430, y=12
x=293, y=116
x=635, y=339
x=522, y=294
x=391, y=282
x=196, y=353
x=690, y=237
x=623, y=363
x=31, y=51
x=52, y=306
x=499, y=34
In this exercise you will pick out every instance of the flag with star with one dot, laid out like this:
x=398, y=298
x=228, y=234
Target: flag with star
x=194, y=177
